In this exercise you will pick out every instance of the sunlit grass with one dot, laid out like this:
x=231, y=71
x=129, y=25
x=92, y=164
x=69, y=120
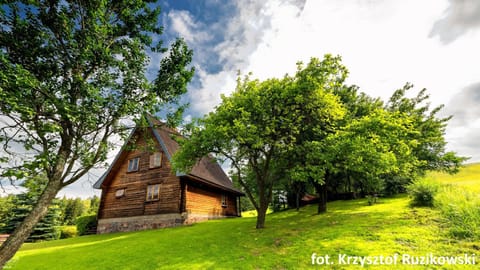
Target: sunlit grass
x=469, y=177
x=349, y=227
x=253, y=213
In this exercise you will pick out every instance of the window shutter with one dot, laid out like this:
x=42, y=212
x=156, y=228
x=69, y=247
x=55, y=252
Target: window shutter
x=152, y=161
x=155, y=160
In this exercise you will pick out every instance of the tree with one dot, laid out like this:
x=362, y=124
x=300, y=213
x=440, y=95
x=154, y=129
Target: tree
x=326, y=77
x=430, y=149
x=260, y=124
x=43, y=230
x=6, y=206
x=69, y=72
x=22, y=206
x=73, y=209
x=373, y=146
x=94, y=205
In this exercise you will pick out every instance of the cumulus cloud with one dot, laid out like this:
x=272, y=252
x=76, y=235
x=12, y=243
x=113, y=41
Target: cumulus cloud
x=464, y=128
x=465, y=106
x=460, y=17
x=384, y=44
x=227, y=48
x=183, y=23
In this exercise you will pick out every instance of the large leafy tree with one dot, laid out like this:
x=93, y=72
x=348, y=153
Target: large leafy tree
x=430, y=136
x=69, y=72
x=260, y=125
x=372, y=147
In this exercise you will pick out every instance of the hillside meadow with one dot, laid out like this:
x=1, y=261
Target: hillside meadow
x=350, y=228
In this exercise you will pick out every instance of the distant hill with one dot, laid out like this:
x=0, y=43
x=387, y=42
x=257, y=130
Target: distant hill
x=469, y=176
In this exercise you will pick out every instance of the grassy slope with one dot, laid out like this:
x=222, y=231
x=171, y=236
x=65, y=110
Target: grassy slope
x=468, y=177
x=350, y=227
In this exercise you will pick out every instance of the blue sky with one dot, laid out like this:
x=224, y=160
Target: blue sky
x=384, y=44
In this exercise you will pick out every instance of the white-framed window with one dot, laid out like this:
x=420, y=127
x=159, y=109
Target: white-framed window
x=153, y=192
x=120, y=193
x=133, y=164
x=224, y=200
x=155, y=160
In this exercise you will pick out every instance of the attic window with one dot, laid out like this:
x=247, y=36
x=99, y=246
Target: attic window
x=133, y=164
x=153, y=192
x=155, y=160
x=224, y=200
x=120, y=193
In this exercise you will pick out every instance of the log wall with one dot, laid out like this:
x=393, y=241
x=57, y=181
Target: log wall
x=134, y=203
x=180, y=201
x=208, y=202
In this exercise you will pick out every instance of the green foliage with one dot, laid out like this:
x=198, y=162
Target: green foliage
x=68, y=231
x=422, y=192
x=45, y=229
x=461, y=210
x=6, y=206
x=72, y=208
x=70, y=71
x=94, y=205
x=382, y=148
x=261, y=123
x=86, y=224
x=430, y=131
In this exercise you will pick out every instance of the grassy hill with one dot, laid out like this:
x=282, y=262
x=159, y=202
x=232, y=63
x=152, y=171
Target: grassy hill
x=468, y=177
x=352, y=228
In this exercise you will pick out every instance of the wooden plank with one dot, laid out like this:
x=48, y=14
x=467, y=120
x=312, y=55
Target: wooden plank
x=207, y=201
x=133, y=203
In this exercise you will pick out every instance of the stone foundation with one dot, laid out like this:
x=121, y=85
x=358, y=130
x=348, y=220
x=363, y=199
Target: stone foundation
x=138, y=223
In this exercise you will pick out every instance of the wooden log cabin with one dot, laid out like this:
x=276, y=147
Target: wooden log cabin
x=140, y=191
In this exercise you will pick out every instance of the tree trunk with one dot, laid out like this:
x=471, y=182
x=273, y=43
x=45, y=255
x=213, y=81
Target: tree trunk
x=322, y=198
x=262, y=213
x=21, y=233
x=297, y=200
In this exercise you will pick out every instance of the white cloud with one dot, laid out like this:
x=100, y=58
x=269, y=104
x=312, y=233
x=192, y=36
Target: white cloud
x=206, y=97
x=459, y=18
x=183, y=23
x=384, y=44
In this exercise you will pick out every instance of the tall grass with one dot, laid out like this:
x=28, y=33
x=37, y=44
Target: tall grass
x=461, y=209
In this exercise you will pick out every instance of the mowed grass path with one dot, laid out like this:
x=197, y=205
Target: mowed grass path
x=350, y=227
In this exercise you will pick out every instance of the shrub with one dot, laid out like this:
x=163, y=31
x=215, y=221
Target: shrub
x=422, y=192
x=86, y=224
x=67, y=231
x=461, y=209
x=395, y=185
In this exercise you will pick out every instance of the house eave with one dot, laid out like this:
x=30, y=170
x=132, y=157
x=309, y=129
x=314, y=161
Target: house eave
x=208, y=183
x=98, y=184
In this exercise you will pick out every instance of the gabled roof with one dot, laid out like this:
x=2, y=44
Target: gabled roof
x=206, y=171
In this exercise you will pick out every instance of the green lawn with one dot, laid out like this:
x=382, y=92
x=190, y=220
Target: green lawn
x=350, y=227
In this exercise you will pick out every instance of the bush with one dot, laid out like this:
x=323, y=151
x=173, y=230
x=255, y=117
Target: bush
x=461, y=209
x=86, y=224
x=67, y=231
x=395, y=185
x=423, y=192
